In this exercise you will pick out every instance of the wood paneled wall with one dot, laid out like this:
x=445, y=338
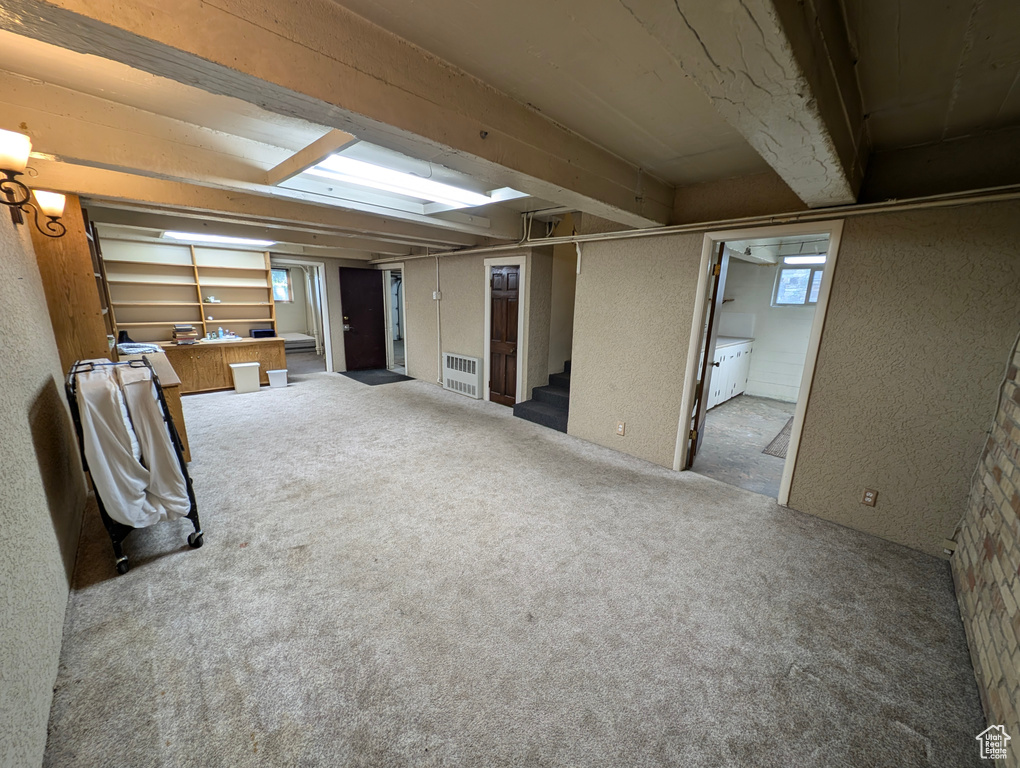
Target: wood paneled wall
x=72, y=295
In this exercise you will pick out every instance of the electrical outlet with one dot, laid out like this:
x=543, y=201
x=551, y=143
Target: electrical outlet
x=869, y=498
x=621, y=428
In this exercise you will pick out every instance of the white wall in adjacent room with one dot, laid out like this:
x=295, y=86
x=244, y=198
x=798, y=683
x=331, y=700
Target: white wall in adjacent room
x=292, y=316
x=780, y=333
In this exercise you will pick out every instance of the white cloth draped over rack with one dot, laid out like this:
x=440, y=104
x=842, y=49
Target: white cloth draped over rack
x=131, y=458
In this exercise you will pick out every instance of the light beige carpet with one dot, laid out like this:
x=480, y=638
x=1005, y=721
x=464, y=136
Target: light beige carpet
x=400, y=576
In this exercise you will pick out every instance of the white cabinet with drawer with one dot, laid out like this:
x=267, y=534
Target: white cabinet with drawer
x=729, y=377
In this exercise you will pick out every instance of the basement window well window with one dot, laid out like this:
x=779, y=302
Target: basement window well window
x=281, y=285
x=799, y=281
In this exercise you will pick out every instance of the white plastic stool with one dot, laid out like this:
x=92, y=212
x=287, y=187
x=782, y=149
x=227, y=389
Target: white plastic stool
x=246, y=377
x=277, y=378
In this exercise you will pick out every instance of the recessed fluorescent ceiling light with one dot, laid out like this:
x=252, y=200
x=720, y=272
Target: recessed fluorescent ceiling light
x=363, y=174
x=819, y=259
x=195, y=237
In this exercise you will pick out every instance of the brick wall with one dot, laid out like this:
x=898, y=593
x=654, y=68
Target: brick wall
x=986, y=566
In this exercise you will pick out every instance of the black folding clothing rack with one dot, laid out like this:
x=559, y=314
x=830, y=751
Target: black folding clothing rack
x=117, y=530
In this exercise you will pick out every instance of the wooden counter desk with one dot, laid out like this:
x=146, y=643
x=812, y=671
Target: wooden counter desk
x=205, y=366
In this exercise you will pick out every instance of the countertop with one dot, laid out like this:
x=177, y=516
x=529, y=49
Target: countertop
x=729, y=341
x=161, y=365
x=210, y=342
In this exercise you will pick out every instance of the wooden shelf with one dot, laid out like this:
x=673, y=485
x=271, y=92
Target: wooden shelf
x=155, y=303
x=243, y=269
x=241, y=320
x=168, y=322
x=224, y=284
x=147, y=263
x=236, y=304
x=147, y=282
x=148, y=287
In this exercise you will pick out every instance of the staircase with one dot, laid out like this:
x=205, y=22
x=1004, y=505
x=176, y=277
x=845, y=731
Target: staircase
x=549, y=405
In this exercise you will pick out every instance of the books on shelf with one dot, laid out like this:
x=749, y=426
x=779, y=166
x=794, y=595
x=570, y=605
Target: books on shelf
x=185, y=333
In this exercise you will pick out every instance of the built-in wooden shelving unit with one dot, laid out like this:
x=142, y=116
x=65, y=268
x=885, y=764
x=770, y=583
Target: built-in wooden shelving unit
x=99, y=272
x=153, y=286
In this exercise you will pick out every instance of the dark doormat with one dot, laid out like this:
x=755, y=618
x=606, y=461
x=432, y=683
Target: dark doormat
x=781, y=443
x=375, y=377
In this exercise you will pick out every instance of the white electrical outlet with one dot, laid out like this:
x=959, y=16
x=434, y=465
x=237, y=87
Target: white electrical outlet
x=869, y=498
x=621, y=428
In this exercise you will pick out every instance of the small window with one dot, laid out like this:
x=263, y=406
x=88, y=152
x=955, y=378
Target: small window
x=797, y=286
x=281, y=285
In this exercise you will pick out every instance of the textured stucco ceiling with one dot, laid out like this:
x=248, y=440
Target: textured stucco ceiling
x=589, y=66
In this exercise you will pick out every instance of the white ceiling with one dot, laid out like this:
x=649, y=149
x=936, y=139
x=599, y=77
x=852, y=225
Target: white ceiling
x=768, y=250
x=591, y=67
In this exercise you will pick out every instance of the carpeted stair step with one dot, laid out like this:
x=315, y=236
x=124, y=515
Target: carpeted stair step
x=566, y=367
x=546, y=414
x=552, y=395
x=560, y=380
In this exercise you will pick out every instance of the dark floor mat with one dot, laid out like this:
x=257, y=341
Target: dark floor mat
x=375, y=377
x=781, y=443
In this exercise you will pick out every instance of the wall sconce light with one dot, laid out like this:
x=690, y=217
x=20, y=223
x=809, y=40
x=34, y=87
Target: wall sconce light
x=14, y=151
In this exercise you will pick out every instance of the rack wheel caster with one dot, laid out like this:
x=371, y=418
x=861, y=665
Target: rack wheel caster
x=195, y=539
x=123, y=566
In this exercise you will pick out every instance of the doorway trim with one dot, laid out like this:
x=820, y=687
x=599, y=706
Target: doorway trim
x=520, y=260
x=320, y=273
x=387, y=271
x=834, y=229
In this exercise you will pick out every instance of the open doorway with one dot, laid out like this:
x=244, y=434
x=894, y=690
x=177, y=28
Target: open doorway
x=393, y=287
x=302, y=317
x=763, y=303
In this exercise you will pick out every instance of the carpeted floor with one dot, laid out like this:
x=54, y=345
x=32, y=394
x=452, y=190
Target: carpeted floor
x=400, y=576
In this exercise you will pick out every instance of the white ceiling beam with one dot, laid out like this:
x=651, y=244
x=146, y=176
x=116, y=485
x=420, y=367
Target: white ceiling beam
x=87, y=130
x=310, y=156
x=213, y=225
x=131, y=190
x=322, y=63
x=141, y=235
x=779, y=72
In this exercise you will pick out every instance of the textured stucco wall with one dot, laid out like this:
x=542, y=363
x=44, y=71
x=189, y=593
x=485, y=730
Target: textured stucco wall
x=41, y=501
x=632, y=326
x=539, y=309
x=462, y=281
x=420, y=335
x=922, y=311
x=757, y=195
x=564, y=283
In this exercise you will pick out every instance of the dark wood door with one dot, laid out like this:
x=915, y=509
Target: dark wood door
x=361, y=298
x=505, y=283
